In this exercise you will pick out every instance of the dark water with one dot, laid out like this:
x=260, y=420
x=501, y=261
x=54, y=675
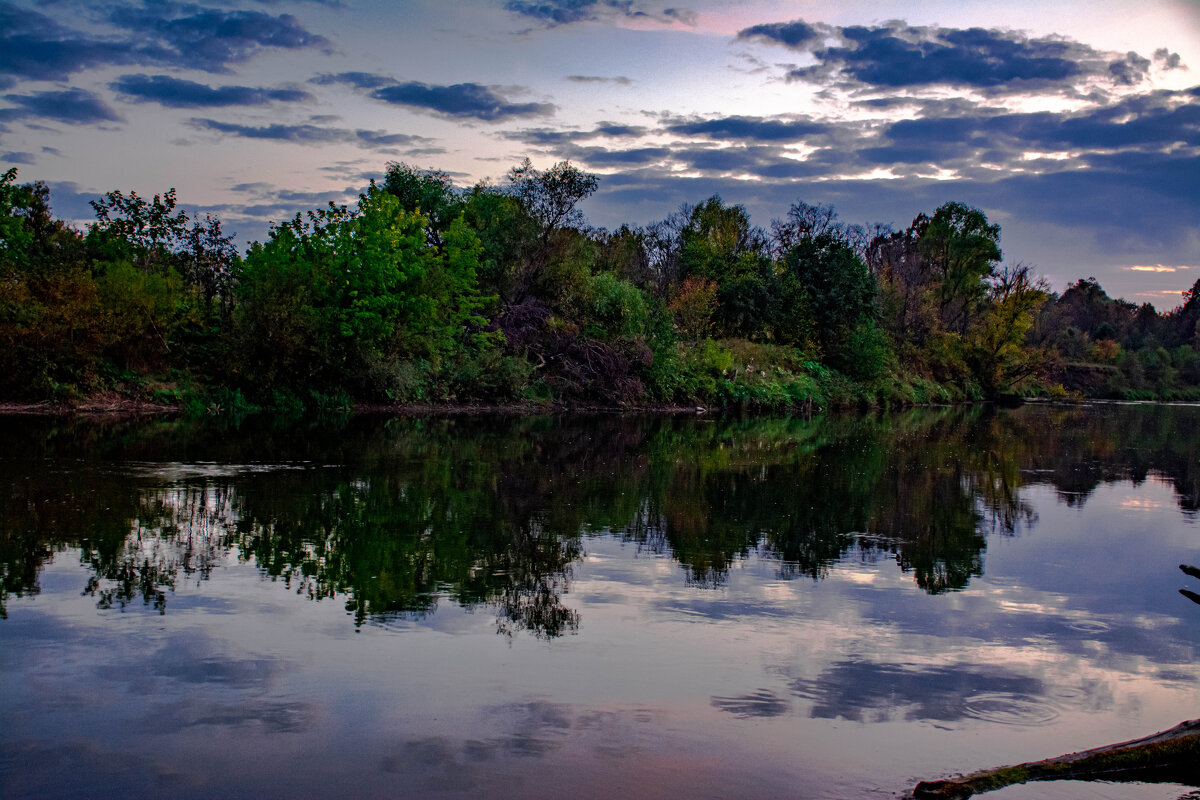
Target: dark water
x=608, y=607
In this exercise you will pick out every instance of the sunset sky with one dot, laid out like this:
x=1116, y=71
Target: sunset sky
x=1074, y=124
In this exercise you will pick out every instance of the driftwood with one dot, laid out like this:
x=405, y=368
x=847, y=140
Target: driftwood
x=1169, y=756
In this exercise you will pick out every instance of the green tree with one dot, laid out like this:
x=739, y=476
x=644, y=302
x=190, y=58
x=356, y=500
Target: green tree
x=838, y=292
x=718, y=243
x=430, y=192
x=960, y=249
x=357, y=300
x=1002, y=354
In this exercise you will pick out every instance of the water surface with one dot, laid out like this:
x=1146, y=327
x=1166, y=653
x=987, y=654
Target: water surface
x=592, y=607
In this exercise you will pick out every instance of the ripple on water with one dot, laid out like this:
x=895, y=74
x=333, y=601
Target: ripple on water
x=1092, y=626
x=1008, y=708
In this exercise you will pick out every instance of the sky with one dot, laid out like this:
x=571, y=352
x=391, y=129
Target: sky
x=1074, y=124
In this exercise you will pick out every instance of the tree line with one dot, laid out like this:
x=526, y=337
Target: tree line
x=424, y=292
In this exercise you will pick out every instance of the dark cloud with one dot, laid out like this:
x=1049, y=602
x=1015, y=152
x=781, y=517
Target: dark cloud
x=749, y=128
x=210, y=39
x=1168, y=60
x=726, y=159
x=792, y=34
x=684, y=15
x=546, y=137
x=542, y=137
x=1152, y=120
x=896, y=55
x=17, y=158
x=1130, y=70
x=72, y=106
x=552, y=13
x=308, y=134
x=359, y=80
x=608, y=129
x=382, y=139
x=564, y=12
x=461, y=100
x=600, y=157
x=458, y=101
x=620, y=80
x=176, y=93
x=34, y=46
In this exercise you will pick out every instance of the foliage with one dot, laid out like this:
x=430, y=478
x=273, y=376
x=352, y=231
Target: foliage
x=356, y=299
x=693, y=304
x=427, y=292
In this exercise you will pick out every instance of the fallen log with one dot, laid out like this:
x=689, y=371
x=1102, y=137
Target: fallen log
x=1169, y=756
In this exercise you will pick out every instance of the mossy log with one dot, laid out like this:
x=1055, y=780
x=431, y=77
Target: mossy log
x=1172, y=755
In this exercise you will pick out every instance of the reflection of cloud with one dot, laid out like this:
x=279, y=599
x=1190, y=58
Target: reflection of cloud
x=532, y=729
x=874, y=692
x=271, y=716
x=762, y=703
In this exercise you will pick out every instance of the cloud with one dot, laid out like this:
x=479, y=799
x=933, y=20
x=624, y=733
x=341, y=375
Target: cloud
x=1168, y=60
x=457, y=101
x=72, y=106
x=620, y=80
x=601, y=157
x=175, y=93
x=615, y=130
x=546, y=137
x=17, y=158
x=34, y=46
x=359, y=80
x=564, y=12
x=308, y=134
x=792, y=34
x=210, y=39
x=552, y=13
x=896, y=55
x=1147, y=121
x=749, y=128
x=461, y=100
x=1130, y=70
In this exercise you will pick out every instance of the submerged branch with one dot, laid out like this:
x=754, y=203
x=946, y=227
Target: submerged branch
x=1171, y=755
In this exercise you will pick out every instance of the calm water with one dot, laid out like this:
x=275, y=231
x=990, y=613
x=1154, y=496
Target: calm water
x=608, y=607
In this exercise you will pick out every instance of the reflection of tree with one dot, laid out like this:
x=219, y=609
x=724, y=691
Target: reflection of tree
x=494, y=511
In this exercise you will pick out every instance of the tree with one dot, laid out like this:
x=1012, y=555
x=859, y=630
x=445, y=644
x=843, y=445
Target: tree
x=693, y=304
x=356, y=299
x=551, y=199
x=960, y=249
x=551, y=196
x=838, y=290
x=143, y=232
x=1001, y=353
x=15, y=237
x=429, y=192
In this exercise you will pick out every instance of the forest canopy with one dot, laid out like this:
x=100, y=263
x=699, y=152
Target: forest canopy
x=426, y=292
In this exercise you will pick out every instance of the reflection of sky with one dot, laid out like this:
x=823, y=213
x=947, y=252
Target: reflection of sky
x=1073, y=637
